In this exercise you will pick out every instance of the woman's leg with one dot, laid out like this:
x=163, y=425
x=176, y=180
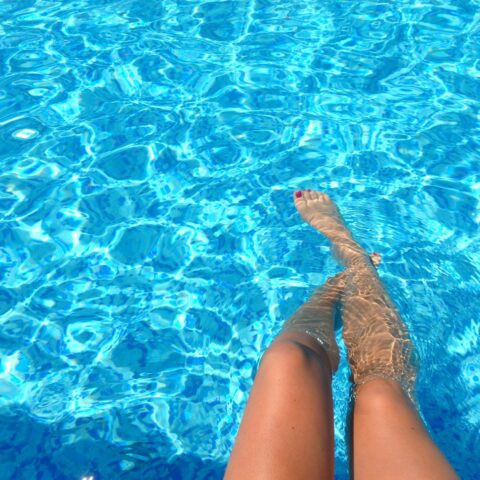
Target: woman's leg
x=389, y=439
x=381, y=357
x=287, y=429
x=385, y=416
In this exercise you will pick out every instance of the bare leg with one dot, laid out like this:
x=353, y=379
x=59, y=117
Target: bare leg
x=385, y=416
x=389, y=440
x=316, y=316
x=287, y=429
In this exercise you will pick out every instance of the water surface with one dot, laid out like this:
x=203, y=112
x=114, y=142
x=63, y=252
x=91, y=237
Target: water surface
x=149, y=248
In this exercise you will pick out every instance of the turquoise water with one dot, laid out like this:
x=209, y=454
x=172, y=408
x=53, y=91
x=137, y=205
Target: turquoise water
x=149, y=249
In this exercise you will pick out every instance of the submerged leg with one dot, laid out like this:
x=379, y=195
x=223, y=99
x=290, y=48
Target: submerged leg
x=287, y=429
x=381, y=358
x=380, y=354
x=316, y=316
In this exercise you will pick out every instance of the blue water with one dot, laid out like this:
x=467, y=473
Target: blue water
x=149, y=249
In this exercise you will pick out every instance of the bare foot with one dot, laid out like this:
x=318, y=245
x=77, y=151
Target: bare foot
x=318, y=209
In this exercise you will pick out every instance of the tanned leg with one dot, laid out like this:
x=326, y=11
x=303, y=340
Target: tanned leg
x=389, y=439
x=287, y=429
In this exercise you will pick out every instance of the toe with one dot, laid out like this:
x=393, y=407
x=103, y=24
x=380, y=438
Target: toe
x=376, y=259
x=299, y=197
x=316, y=195
x=324, y=197
x=307, y=195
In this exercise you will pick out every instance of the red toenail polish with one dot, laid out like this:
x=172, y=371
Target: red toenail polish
x=298, y=194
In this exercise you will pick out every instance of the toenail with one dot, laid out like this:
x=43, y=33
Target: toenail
x=298, y=194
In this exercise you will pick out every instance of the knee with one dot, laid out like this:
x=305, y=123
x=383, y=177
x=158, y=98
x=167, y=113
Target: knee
x=291, y=356
x=378, y=395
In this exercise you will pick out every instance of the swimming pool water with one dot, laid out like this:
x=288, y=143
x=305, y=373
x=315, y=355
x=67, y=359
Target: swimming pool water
x=149, y=249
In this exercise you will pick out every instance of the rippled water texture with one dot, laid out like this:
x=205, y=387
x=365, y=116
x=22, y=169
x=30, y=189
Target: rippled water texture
x=149, y=248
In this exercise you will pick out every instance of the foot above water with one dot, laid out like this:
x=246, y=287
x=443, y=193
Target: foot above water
x=319, y=210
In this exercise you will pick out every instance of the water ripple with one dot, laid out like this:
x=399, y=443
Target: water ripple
x=149, y=250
